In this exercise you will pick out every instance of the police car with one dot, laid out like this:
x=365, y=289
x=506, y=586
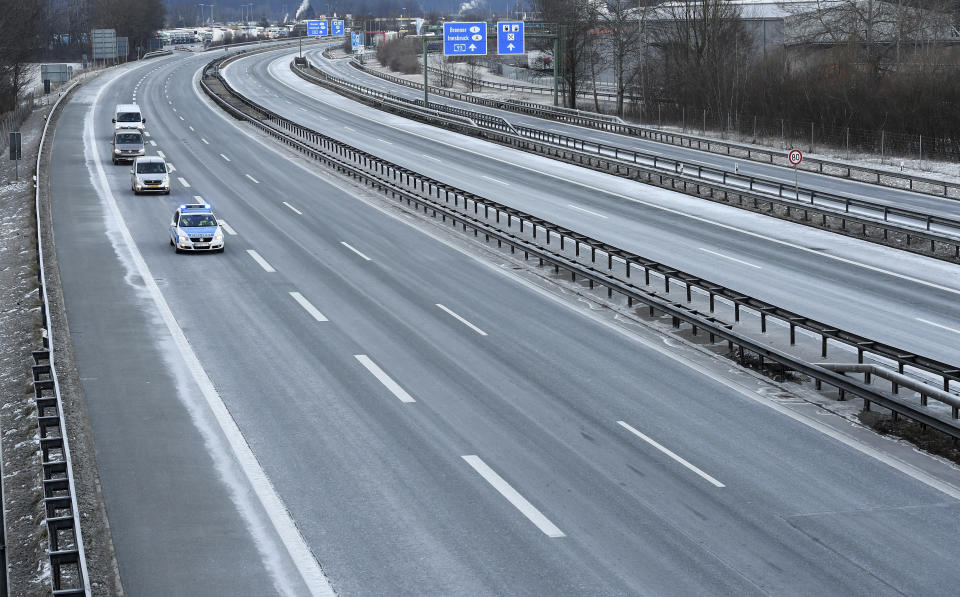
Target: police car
x=195, y=228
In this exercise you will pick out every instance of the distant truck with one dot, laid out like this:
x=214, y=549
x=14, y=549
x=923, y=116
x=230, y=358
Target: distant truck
x=539, y=60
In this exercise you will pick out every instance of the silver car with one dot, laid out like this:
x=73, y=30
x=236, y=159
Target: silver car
x=127, y=145
x=149, y=174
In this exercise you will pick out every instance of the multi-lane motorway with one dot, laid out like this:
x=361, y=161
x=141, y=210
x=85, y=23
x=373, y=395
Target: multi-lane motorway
x=884, y=294
x=349, y=389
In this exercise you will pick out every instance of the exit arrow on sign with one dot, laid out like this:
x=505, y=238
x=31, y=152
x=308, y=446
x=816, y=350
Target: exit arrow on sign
x=510, y=46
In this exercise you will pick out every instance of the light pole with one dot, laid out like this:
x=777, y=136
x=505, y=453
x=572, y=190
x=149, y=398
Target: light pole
x=211, y=13
x=201, y=5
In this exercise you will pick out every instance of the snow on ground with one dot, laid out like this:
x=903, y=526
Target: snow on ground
x=947, y=171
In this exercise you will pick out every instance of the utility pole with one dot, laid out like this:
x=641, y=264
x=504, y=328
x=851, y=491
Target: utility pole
x=426, y=85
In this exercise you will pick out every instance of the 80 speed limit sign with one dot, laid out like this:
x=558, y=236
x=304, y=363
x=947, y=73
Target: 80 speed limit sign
x=795, y=157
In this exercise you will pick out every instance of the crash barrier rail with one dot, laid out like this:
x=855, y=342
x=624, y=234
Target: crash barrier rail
x=875, y=227
x=602, y=95
x=433, y=195
x=68, y=562
x=836, y=169
x=753, y=183
x=272, y=42
x=156, y=53
x=869, y=370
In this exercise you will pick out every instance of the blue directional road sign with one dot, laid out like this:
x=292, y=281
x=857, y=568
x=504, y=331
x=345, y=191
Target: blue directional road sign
x=510, y=37
x=356, y=40
x=336, y=26
x=316, y=28
x=464, y=39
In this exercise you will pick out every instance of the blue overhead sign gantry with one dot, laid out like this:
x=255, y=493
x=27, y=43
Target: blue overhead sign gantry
x=465, y=39
x=510, y=37
x=356, y=40
x=336, y=27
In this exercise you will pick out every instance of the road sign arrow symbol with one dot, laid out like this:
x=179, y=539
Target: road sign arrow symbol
x=509, y=46
x=473, y=47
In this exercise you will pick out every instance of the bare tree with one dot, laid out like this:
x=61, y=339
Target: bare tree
x=704, y=45
x=621, y=21
x=21, y=24
x=577, y=20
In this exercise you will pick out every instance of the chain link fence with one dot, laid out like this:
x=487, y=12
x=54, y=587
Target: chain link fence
x=803, y=134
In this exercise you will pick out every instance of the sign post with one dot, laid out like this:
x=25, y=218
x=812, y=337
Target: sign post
x=15, y=151
x=795, y=157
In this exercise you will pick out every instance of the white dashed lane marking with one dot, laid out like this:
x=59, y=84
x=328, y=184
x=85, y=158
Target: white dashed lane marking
x=261, y=261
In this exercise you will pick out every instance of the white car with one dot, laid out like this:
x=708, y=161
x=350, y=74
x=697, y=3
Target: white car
x=149, y=174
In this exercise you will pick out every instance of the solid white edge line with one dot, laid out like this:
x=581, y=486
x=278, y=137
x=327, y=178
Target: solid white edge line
x=385, y=379
x=851, y=442
x=266, y=494
x=593, y=213
x=670, y=454
x=261, y=261
x=462, y=320
x=183, y=181
x=294, y=209
x=513, y=496
x=730, y=258
x=938, y=325
x=347, y=245
x=308, y=306
x=252, y=178
x=227, y=227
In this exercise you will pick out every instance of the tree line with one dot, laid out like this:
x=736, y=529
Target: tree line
x=854, y=65
x=46, y=30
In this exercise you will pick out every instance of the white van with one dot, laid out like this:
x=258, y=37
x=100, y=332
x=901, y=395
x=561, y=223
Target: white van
x=128, y=116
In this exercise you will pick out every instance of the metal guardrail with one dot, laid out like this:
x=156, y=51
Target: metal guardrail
x=436, y=196
x=67, y=557
x=836, y=169
x=697, y=182
x=752, y=183
x=156, y=53
x=606, y=96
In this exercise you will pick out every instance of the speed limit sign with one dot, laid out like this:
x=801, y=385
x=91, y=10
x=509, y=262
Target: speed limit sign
x=795, y=157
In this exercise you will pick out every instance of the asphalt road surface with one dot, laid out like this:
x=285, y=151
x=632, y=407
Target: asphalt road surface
x=341, y=388
x=884, y=294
